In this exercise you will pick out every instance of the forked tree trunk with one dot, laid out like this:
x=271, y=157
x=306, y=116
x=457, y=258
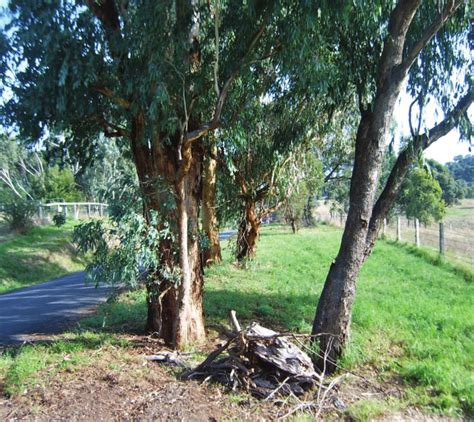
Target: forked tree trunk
x=174, y=310
x=211, y=254
x=334, y=310
x=248, y=232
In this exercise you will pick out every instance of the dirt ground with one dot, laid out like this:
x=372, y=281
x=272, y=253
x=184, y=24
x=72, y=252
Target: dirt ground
x=122, y=385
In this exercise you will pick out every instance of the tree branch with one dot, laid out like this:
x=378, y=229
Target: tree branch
x=401, y=166
x=215, y=120
x=107, y=13
x=107, y=92
x=450, y=7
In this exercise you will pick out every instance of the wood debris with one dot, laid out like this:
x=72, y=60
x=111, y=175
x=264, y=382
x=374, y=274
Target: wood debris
x=261, y=361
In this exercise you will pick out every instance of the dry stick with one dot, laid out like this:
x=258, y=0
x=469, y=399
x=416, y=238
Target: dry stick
x=341, y=367
x=277, y=389
x=212, y=356
x=235, y=322
x=330, y=387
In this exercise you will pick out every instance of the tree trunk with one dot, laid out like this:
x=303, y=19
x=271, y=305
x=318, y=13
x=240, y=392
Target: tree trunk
x=334, y=310
x=174, y=310
x=333, y=314
x=211, y=254
x=397, y=175
x=248, y=232
x=308, y=211
x=294, y=228
x=190, y=318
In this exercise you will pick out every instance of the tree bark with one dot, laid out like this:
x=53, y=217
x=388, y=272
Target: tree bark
x=334, y=311
x=190, y=319
x=212, y=254
x=248, y=232
x=294, y=227
x=174, y=309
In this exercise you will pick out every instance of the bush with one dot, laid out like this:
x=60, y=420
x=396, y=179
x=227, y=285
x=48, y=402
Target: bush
x=59, y=219
x=19, y=214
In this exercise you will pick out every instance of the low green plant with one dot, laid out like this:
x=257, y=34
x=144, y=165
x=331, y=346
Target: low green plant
x=59, y=219
x=19, y=214
x=366, y=410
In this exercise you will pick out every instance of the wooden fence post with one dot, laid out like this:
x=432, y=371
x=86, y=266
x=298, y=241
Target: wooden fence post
x=65, y=210
x=88, y=210
x=76, y=211
x=417, y=232
x=441, y=238
x=384, y=230
x=399, y=229
x=101, y=210
x=40, y=212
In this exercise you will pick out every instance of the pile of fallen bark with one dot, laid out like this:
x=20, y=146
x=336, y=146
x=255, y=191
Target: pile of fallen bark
x=261, y=361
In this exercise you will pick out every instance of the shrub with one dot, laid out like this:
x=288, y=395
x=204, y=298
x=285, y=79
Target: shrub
x=59, y=219
x=19, y=214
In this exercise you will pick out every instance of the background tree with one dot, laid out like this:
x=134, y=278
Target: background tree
x=453, y=191
x=298, y=206
x=421, y=197
x=462, y=169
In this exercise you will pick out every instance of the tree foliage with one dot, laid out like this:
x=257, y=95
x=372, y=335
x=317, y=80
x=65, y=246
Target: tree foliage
x=422, y=197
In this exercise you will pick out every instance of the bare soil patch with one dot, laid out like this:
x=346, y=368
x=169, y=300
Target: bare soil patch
x=120, y=384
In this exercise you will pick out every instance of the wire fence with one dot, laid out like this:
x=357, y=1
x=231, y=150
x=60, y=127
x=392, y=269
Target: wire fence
x=75, y=210
x=452, y=238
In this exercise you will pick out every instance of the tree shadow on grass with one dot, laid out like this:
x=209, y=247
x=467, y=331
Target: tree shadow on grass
x=282, y=312
x=114, y=321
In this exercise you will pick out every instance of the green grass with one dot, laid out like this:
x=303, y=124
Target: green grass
x=366, y=410
x=411, y=318
x=412, y=321
x=43, y=253
x=464, y=209
x=30, y=365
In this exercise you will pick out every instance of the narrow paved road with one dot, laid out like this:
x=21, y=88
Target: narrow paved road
x=48, y=307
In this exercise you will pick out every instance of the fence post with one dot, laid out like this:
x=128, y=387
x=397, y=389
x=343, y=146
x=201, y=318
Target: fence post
x=65, y=210
x=88, y=210
x=101, y=210
x=399, y=229
x=76, y=211
x=441, y=238
x=384, y=230
x=40, y=212
x=59, y=209
x=417, y=232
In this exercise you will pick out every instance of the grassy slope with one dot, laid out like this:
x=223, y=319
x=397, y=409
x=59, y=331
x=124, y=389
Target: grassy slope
x=411, y=319
x=43, y=253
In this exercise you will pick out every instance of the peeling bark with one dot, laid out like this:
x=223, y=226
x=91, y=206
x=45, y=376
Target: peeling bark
x=248, y=233
x=212, y=254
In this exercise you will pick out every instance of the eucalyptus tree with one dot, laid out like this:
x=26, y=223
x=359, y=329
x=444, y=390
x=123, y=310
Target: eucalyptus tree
x=156, y=75
x=376, y=53
x=265, y=155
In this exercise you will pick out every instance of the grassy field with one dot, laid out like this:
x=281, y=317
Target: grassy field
x=412, y=324
x=45, y=252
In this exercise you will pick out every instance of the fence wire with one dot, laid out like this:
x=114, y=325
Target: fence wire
x=458, y=233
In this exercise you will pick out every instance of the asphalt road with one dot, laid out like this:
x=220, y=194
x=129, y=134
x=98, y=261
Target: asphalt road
x=47, y=308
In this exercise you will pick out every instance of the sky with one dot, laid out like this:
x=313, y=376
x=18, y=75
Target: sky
x=447, y=147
